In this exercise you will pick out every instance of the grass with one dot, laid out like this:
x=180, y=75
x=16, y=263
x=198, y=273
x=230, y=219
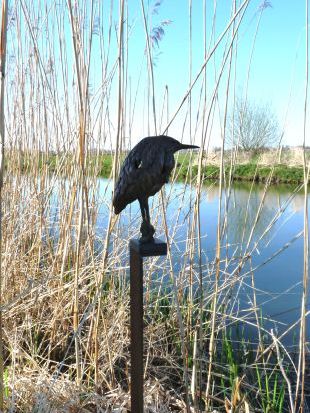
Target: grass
x=101, y=166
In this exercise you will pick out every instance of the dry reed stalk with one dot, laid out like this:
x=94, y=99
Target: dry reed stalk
x=112, y=219
x=150, y=65
x=3, y=44
x=280, y=362
x=225, y=121
x=301, y=373
x=191, y=225
x=241, y=10
x=197, y=201
x=219, y=226
x=76, y=39
x=82, y=74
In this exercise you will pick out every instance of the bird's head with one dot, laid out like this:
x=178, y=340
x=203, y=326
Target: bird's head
x=183, y=146
x=174, y=145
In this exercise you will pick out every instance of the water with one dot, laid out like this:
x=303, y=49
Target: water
x=275, y=245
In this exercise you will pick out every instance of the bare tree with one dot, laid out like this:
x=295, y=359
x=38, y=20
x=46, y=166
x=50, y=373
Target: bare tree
x=253, y=126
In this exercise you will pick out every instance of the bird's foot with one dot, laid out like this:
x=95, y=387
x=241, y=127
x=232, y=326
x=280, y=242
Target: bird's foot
x=147, y=232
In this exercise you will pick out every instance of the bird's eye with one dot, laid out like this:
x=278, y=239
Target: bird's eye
x=138, y=164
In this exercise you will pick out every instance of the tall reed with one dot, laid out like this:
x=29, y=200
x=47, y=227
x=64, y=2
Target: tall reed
x=3, y=46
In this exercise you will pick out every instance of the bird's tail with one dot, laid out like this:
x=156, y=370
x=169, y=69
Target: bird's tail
x=189, y=146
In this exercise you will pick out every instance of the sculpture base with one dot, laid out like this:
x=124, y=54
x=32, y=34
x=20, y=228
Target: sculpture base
x=148, y=249
x=138, y=250
x=147, y=232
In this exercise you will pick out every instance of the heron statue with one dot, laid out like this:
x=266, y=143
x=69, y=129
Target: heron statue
x=145, y=170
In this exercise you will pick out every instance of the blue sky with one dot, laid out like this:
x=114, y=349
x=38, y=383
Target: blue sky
x=277, y=73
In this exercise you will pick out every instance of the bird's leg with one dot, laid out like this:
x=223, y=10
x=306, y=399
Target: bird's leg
x=147, y=229
x=152, y=229
x=147, y=212
x=143, y=212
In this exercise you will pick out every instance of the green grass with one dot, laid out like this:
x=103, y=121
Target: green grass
x=261, y=383
x=243, y=172
x=249, y=172
x=281, y=173
x=101, y=166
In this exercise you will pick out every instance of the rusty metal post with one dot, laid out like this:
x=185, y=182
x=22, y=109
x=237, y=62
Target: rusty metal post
x=137, y=251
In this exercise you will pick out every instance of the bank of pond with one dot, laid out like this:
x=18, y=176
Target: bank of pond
x=101, y=165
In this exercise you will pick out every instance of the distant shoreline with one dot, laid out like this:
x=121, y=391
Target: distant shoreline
x=278, y=174
x=101, y=166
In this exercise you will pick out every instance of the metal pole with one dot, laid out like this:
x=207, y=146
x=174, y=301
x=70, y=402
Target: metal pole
x=137, y=251
x=136, y=328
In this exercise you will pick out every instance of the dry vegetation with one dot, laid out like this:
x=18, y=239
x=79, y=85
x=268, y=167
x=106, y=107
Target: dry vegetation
x=291, y=157
x=65, y=300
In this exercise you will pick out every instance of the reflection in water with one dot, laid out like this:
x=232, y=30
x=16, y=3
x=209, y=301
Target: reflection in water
x=243, y=216
x=263, y=231
x=255, y=227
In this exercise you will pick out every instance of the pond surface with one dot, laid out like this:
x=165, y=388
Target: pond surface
x=265, y=227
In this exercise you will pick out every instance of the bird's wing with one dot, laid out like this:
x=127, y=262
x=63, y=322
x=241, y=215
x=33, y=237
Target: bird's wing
x=140, y=172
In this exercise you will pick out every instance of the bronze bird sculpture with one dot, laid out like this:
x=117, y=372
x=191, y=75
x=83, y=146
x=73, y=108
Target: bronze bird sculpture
x=145, y=170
